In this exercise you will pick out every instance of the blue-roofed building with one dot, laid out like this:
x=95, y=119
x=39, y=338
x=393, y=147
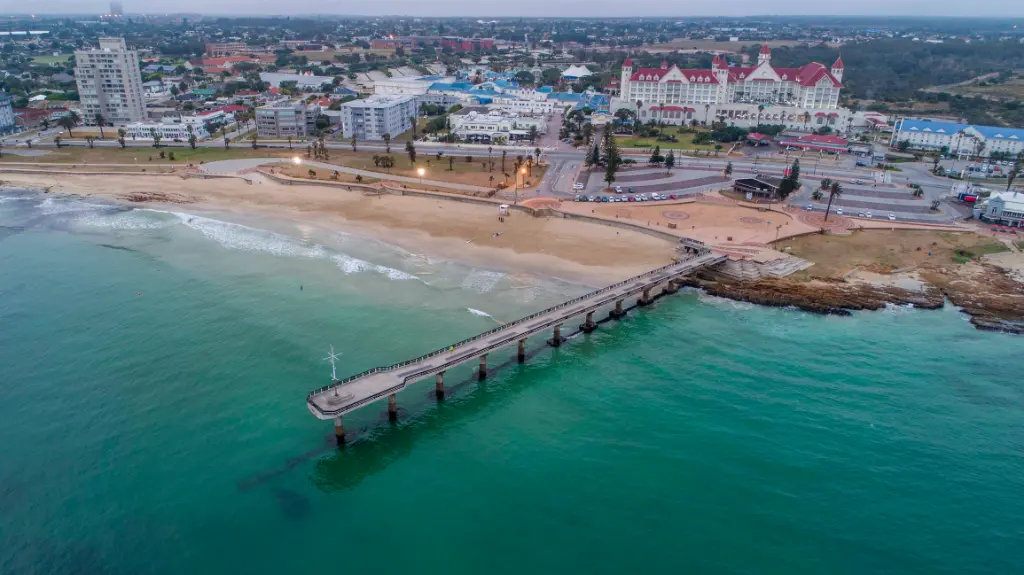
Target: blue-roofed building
x=959, y=139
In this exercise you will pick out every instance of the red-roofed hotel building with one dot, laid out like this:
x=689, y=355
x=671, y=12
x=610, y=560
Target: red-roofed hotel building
x=800, y=98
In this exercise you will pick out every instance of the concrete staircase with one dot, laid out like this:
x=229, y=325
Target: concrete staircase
x=746, y=270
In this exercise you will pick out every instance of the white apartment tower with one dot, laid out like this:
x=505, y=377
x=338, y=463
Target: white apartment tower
x=109, y=83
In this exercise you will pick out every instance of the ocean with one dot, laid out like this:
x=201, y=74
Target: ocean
x=154, y=366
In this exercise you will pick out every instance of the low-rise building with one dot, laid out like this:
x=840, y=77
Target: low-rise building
x=1005, y=208
x=167, y=130
x=295, y=119
x=480, y=124
x=371, y=118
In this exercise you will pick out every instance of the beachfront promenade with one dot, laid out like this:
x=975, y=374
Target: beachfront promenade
x=345, y=395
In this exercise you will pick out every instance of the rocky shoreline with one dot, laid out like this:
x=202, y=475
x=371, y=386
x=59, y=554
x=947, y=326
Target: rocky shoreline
x=992, y=300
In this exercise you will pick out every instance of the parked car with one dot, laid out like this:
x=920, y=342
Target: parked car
x=839, y=211
x=578, y=186
x=892, y=217
x=630, y=189
x=810, y=207
x=591, y=198
x=579, y=198
x=671, y=196
x=860, y=214
x=856, y=181
x=632, y=198
x=618, y=190
x=604, y=198
x=867, y=214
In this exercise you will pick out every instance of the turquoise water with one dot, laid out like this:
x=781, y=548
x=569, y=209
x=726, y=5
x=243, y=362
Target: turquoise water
x=154, y=366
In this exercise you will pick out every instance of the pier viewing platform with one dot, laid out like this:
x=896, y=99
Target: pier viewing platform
x=350, y=393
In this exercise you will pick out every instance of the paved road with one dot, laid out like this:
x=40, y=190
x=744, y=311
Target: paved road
x=356, y=391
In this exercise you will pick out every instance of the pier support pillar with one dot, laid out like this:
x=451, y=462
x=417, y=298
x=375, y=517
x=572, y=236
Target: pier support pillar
x=671, y=287
x=645, y=298
x=439, y=386
x=483, y=367
x=556, y=340
x=339, y=430
x=618, y=313
x=522, y=350
x=392, y=407
x=588, y=324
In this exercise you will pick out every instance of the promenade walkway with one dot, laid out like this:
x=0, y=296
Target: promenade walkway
x=353, y=392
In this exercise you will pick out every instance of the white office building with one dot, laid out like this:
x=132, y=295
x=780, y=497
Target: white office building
x=109, y=83
x=968, y=140
x=371, y=118
x=1005, y=208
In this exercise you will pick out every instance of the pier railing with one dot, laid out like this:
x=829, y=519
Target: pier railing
x=563, y=305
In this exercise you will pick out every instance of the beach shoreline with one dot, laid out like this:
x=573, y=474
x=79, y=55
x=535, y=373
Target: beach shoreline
x=577, y=252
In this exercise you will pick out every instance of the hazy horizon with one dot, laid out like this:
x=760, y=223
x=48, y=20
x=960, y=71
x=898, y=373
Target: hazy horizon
x=536, y=9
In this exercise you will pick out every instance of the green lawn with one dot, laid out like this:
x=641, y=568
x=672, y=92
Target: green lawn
x=685, y=142
x=51, y=59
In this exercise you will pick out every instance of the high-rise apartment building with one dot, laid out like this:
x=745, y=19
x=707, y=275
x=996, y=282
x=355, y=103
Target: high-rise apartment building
x=371, y=118
x=109, y=83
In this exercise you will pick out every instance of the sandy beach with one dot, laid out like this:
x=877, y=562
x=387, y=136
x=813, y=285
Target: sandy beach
x=575, y=251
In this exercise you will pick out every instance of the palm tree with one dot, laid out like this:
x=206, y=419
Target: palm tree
x=289, y=142
x=120, y=137
x=68, y=121
x=89, y=140
x=56, y=141
x=707, y=107
x=816, y=195
x=100, y=120
x=718, y=148
x=254, y=139
x=826, y=183
x=354, y=142
x=639, y=104
x=412, y=122
x=760, y=108
x=836, y=191
x=387, y=143
x=504, y=153
x=806, y=119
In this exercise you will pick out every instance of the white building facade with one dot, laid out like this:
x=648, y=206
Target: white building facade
x=1005, y=208
x=109, y=83
x=287, y=119
x=478, y=124
x=805, y=97
x=168, y=131
x=371, y=118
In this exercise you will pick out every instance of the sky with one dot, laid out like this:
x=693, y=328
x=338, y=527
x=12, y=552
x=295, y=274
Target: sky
x=535, y=8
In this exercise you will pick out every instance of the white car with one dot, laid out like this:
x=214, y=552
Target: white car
x=578, y=186
x=892, y=217
x=867, y=215
x=839, y=211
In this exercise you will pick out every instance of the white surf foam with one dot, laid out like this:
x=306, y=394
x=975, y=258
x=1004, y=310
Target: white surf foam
x=479, y=313
x=482, y=281
x=239, y=237
x=130, y=220
x=54, y=206
x=352, y=265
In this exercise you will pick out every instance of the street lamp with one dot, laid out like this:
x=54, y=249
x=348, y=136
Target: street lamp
x=520, y=183
x=297, y=160
x=420, y=172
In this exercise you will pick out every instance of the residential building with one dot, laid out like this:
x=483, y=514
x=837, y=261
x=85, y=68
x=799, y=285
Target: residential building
x=959, y=139
x=302, y=81
x=30, y=118
x=218, y=49
x=806, y=97
x=295, y=119
x=371, y=118
x=7, y=122
x=480, y=124
x=168, y=130
x=467, y=44
x=1005, y=208
x=109, y=83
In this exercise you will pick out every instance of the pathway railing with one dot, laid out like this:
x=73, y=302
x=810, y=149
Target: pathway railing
x=509, y=325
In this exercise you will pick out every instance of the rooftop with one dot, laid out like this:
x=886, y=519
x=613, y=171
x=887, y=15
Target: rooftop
x=379, y=100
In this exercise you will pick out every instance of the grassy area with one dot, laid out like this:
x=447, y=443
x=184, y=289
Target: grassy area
x=421, y=125
x=475, y=172
x=139, y=155
x=685, y=142
x=51, y=59
x=884, y=250
x=327, y=175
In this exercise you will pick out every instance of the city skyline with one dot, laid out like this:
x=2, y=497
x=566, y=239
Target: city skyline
x=537, y=8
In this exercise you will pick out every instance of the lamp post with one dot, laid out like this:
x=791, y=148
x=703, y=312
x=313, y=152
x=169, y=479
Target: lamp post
x=520, y=182
x=297, y=160
x=420, y=172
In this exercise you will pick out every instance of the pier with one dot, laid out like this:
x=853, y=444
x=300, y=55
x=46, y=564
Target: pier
x=350, y=393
